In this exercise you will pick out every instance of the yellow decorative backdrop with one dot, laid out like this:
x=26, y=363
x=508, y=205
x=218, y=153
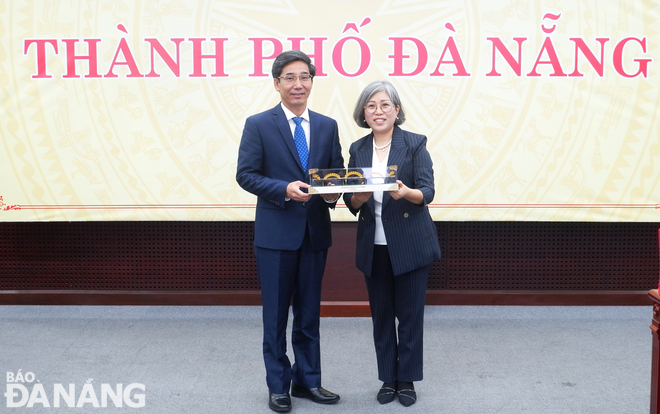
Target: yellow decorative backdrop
x=141, y=142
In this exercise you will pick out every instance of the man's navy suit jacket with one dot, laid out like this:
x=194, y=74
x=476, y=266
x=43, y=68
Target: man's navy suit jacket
x=268, y=161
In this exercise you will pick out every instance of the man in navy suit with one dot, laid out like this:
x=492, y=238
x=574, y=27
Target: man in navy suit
x=291, y=227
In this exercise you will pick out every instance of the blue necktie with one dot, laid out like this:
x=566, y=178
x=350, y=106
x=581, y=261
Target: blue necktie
x=301, y=141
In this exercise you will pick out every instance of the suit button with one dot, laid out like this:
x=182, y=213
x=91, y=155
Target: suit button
x=405, y=215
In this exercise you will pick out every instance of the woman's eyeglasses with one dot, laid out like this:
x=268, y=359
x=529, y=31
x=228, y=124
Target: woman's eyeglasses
x=385, y=107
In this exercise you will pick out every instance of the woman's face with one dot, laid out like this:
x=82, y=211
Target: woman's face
x=380, y=113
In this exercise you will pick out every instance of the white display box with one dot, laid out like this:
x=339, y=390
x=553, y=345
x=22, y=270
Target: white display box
x=352, y=180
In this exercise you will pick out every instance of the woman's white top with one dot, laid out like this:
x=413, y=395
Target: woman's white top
x=379, y=168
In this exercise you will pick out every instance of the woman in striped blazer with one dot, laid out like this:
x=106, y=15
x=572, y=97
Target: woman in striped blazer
x=396, y=238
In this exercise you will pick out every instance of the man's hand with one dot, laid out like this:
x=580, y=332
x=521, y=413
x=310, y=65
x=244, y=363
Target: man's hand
x=293, y=191
x=359, y=198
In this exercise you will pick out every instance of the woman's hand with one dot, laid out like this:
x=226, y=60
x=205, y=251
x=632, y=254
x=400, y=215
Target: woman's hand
x=411, y=194
x=331, y=198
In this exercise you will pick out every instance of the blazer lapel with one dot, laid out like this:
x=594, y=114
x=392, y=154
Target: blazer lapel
x=314, y=137
x=285, y=131
x=363, y=158
x=398, y=149
x=364, y=153
x=396, y=157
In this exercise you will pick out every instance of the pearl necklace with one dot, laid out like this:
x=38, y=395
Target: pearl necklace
x=384, y=147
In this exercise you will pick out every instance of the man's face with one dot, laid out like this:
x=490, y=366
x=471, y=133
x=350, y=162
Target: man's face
x=294, y=94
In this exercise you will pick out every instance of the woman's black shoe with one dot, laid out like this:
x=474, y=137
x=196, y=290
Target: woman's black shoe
x=407, y=394
x=386, y=393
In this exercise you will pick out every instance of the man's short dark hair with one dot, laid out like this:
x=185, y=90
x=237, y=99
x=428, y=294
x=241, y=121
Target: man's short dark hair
x=289, y=56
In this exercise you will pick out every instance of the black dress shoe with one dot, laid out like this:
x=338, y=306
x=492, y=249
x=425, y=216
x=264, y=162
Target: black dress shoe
x=279, y=402
x=386, y=393
x=407, y=394
x=318, y=395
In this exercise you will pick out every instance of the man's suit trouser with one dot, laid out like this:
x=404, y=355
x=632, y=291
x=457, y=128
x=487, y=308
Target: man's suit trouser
x=291, y=277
